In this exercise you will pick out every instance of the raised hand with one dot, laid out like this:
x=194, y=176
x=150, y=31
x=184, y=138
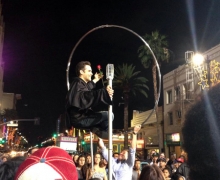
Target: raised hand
x=97, y=77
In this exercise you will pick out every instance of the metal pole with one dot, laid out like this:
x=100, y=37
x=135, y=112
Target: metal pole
x=110, y=137
x=109, y=76
x=91, y=149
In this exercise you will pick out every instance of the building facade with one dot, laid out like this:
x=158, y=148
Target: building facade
x=151, y=132
x=180, y=87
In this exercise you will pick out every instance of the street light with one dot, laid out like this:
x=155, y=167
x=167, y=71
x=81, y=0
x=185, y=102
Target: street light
x=198, y=59
x=203, y=72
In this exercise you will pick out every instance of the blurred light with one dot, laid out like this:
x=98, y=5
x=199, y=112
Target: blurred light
x=198, y=59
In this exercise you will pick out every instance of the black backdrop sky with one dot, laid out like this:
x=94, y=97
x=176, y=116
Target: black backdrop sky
x=39, y=36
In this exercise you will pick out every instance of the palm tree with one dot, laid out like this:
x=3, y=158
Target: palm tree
x=158, y=44
x=126, y=79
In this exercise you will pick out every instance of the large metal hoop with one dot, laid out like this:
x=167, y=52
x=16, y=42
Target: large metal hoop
x=146, y=44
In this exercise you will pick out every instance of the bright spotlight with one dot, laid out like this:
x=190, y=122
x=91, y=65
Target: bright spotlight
x=198, y=59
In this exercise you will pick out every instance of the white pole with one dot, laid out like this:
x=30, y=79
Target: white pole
x=109, y=77
x=91, y=149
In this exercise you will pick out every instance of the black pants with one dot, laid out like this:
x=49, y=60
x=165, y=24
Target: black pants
x=99, y=120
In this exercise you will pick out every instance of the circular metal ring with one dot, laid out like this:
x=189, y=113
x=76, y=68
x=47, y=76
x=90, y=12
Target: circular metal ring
x=146, y=44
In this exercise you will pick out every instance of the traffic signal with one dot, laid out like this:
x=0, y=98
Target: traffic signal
x=83, y=142
x=54, y=135
x=2, y=141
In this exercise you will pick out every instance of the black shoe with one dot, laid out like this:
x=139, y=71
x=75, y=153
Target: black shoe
x=99, y=133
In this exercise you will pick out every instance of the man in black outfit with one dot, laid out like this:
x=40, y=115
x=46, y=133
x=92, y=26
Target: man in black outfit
x=82, y=97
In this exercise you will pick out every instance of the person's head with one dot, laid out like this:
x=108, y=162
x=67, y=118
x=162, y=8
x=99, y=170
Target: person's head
x=162, y=162
x=152, y=172
x=97, y=158
x=47, y=163
x=155, y=157
x=166, y=172
x=201, y=135
x=173, y=156
x=115, y=155
x=162, y=155
x=81, y=161
x=4, y=158
x=75, y=159
x=123, y=155
x=137, y=165
x=184, y=155
x=32, y=150
x=88, y=159
x=181, y=178
x=84, y=70
x=178, y=162
x=9, y=168
x=152, y=152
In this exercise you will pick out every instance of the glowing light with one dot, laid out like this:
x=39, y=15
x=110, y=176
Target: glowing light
x=198, y=59
x=215, y=69
x=176, y=137
x=203, y=83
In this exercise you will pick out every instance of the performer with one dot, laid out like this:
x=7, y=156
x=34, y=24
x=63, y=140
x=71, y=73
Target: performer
x=83, y=96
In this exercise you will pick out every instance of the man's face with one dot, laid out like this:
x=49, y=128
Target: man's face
x=177, y=164
x=86, y=73
x=123, y=155
x=162, y=164
x=137, y=165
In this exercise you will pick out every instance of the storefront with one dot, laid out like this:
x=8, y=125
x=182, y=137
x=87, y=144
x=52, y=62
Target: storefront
x=173, y=144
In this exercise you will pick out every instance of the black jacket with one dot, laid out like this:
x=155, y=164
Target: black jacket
x=183, y=170
x=81, y=98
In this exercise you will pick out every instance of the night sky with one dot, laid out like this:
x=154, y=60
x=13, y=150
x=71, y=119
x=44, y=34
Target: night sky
x=40, y=35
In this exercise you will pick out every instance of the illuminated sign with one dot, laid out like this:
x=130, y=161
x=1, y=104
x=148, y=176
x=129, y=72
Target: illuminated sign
x=67, y=143
x=175, y=137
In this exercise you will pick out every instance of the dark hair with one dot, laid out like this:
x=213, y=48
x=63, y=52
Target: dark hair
x=151, y=172
x=81, y=65
x=134, y=168
x=115, y=153
x=30, y=149
x=80, y=156
x=100, y=163
x=201, y=135
x=8, y=169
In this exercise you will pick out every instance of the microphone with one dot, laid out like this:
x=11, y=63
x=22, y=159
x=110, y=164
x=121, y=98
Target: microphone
x=110, y=71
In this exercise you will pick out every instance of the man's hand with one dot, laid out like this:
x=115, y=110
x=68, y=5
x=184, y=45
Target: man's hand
x=97, y=77
x=137, y=128
x=110, y=91
x=101, y=143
